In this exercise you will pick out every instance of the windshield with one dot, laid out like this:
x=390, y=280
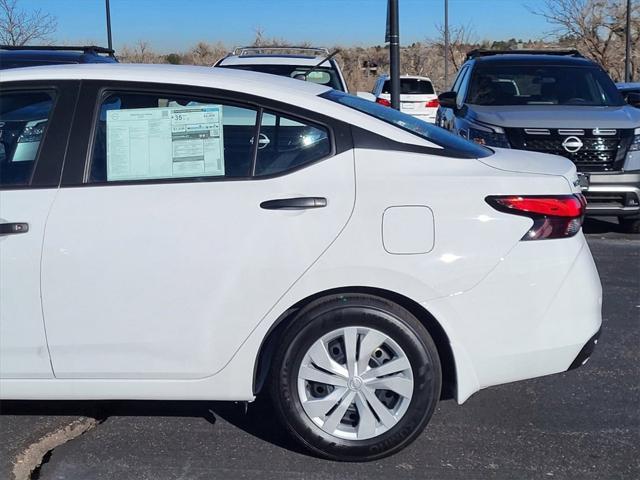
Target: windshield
x=410, y=86
x=321, y=75
x=511, y=84
x=436, y=135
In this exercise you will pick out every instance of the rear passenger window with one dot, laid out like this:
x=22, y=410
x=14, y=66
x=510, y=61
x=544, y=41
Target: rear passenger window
x=285, y=144
x=23, y=123
x=148, y=136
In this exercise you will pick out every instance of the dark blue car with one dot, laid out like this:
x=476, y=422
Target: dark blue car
x=32, y=56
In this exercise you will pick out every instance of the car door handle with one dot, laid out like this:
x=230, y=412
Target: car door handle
x=13, y=228
x=299, y=203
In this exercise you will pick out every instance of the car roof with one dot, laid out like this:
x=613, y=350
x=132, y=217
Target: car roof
x=53, y=56
x=249, y=82
x=279, y=88
x=536, y=59
x=273, y=59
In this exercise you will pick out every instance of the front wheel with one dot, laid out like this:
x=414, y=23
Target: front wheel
x=357, y=378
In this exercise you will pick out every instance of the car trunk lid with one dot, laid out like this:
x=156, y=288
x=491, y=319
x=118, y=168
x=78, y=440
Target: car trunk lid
x=531, y=162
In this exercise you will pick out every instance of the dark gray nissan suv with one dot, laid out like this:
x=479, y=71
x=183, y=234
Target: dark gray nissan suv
x=553, y=102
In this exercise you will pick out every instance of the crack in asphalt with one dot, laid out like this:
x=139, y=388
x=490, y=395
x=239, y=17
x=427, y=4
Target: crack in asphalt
x=28, y=463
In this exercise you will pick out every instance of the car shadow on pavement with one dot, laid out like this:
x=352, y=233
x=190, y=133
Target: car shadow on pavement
x=601, y=225
x=102, y=409
x=256, y=418
x=259, y=420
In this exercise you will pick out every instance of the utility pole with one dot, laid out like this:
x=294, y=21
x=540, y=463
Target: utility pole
x=393, y=37
x=109, y=41
x=446, y=44
x=627, y=60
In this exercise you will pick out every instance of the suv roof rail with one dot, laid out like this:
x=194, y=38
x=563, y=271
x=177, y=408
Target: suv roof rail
x=72, y=48
x=479, y=52
x=245, y=51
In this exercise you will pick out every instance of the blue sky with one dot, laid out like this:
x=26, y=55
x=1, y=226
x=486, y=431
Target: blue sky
x=174, y=25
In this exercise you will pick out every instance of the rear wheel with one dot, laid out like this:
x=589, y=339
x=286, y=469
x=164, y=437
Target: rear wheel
x=630, y=225
x=357, y=379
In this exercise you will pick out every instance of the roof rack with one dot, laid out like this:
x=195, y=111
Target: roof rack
x=72, y=48
x=245, y=51
x=478, y=52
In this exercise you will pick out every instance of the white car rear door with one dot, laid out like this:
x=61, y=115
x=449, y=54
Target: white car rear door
x=167, y=252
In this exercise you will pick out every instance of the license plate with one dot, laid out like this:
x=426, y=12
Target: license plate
x=583, y=181
x=408, y=106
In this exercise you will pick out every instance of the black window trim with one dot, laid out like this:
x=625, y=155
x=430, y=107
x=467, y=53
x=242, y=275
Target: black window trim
x=50, y=178
x=465, y=82
x=461, y=73
x=104, y=88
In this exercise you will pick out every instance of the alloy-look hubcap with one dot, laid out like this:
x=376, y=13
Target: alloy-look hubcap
x=355, y=383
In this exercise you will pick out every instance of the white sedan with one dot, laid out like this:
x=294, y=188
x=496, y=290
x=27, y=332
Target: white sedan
x=188, y=233
x=417, y=96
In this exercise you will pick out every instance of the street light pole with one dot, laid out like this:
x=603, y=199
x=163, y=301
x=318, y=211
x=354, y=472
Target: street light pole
x=446, y=44
x=109, y=41
x=627, y=60
x=394, y=53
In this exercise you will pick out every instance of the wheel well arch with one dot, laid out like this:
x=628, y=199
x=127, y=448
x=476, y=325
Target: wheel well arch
x=439, y=336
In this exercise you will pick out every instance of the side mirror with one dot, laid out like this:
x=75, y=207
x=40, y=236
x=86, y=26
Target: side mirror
x=367, y=96
x=633, y=99
x=448, y=100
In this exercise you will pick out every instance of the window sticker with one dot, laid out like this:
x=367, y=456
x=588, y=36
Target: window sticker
x=168, y=142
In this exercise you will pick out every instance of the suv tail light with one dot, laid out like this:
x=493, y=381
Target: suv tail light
x=554, y=216
x=432, y=103
x=383, y=101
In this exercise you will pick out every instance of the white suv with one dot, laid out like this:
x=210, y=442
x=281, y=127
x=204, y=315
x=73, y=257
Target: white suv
x=293, y=62
x=417, y=96
x=174, y=232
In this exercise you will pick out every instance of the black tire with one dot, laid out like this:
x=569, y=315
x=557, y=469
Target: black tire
x=367, y=311
x=629, y=225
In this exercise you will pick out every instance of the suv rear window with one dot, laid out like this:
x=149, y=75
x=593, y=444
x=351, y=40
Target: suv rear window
x=512, y=84
x=322, y=76
x=455, y=144
x=411, y=86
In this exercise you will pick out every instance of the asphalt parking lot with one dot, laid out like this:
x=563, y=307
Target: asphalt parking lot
x=581, y=424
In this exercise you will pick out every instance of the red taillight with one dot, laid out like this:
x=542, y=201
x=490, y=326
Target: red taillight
x=432, y=103
x=569, y=206
x=554, y=216
x=383, y=101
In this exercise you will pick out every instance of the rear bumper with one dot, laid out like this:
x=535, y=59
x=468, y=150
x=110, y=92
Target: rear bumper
x=613, y=194
x=586, y=351
x=531, y=316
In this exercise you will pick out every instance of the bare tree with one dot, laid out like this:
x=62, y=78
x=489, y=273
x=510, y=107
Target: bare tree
x=460, y=42
x=260, y=39
x=206, y=53
x=19, y=27
x=595, y=27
